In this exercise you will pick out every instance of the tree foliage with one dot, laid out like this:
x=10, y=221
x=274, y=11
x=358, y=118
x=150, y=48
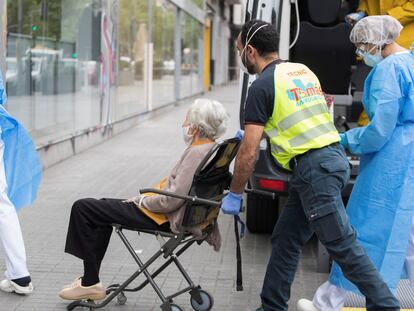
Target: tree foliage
x=32, y=22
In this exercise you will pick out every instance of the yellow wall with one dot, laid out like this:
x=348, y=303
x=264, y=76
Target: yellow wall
x=207, y=53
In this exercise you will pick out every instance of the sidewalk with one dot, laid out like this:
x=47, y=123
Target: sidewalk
x=117, y=168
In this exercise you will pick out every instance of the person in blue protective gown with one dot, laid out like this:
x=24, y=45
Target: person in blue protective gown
x=381, y=205
x=20, y=174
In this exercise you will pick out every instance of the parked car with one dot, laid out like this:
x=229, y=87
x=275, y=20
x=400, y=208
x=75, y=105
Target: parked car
x=169, y=66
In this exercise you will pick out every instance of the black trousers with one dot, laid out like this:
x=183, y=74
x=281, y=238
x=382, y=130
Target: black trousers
x=90, y=227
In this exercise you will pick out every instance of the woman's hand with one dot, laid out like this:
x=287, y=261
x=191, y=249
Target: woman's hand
x=353, y=18
x=132, y=200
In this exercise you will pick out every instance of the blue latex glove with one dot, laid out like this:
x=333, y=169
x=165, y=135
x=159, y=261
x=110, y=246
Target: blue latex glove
x=231, y=203
x=344, y=140
x=239, y=134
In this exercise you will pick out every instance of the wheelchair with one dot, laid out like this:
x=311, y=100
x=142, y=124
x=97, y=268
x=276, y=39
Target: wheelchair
x=210, y=180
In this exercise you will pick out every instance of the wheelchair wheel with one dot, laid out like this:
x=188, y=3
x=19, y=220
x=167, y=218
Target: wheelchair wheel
x=206, y=301
x=175, y=307
x=121, y=298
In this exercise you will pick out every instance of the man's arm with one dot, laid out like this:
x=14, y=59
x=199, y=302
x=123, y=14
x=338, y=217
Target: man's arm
x=246, y=157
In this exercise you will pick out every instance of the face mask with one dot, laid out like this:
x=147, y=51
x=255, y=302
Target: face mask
x=372, y=59
x=188, y=138
x=244, y=65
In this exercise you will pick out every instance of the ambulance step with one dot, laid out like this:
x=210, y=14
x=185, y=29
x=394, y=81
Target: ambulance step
x=405, y=295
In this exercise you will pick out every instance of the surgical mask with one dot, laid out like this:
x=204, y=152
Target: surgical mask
x=188, y=138
x=243, y=65
x=372, y=59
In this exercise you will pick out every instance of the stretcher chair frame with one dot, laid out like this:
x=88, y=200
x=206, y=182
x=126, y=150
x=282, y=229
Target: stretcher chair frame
x=168, y=250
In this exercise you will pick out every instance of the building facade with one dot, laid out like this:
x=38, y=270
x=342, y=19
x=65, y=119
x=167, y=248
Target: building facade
x=77, y=66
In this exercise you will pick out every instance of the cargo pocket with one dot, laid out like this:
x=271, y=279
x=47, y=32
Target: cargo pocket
x=339, y=170
x=332, y=167
x=327, y=222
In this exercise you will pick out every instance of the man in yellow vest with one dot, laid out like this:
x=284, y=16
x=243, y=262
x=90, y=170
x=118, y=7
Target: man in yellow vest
x=286, y=103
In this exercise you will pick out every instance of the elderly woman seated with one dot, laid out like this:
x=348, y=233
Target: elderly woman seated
x=90, y=222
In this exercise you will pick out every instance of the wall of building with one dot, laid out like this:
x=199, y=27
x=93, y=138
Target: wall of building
x=77, y=71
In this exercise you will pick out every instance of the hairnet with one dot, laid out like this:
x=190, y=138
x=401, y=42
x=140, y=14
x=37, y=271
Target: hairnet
x=376, y=29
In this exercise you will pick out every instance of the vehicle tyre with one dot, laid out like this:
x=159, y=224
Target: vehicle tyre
x=206, y=301
x=262, y=213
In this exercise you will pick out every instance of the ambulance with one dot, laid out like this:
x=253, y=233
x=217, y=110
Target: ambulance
x=312, y=32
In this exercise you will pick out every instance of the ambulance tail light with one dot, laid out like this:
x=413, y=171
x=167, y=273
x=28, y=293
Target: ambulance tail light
x=271, y=184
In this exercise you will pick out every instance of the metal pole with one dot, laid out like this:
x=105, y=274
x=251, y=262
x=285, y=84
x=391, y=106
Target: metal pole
x=177, y=54
x=201, y=56
x=2, y=38
x=20, y=17
x=149, y=58
x=150, y=21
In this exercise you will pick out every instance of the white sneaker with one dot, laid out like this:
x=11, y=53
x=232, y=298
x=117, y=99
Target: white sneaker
x=10, y=287
x=306, y=305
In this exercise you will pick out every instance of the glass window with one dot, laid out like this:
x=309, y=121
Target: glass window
x=197, y=78
x=133, y=46
x=79, y=64
x=199, y=3
x=190, y=82
x=52, y=60
x=163, y=59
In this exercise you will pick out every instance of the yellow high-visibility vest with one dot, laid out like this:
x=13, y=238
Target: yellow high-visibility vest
x=300, y=120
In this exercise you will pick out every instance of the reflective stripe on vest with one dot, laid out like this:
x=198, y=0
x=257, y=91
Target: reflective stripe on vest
x=311, y=134
x=300, y=115
x=300, y=120
x=276, y=148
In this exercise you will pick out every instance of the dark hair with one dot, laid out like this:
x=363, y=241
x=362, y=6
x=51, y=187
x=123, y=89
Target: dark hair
x=265, y=41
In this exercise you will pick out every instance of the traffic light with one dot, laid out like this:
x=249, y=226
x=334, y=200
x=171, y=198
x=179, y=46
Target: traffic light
x=35, y=27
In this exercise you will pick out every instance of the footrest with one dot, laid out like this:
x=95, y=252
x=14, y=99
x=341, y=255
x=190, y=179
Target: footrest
x=112, y=288
x=81, y=303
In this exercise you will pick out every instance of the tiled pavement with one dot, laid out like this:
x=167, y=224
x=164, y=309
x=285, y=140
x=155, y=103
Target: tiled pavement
x=118, y=168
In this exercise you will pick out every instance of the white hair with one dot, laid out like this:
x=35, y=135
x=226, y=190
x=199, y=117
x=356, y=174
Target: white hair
x=209, y=116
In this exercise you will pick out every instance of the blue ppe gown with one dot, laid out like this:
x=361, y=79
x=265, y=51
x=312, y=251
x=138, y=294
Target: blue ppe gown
x=381, y=205
x=21, y=161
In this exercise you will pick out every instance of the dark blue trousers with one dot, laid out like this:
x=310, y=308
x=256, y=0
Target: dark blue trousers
x=315, y=207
